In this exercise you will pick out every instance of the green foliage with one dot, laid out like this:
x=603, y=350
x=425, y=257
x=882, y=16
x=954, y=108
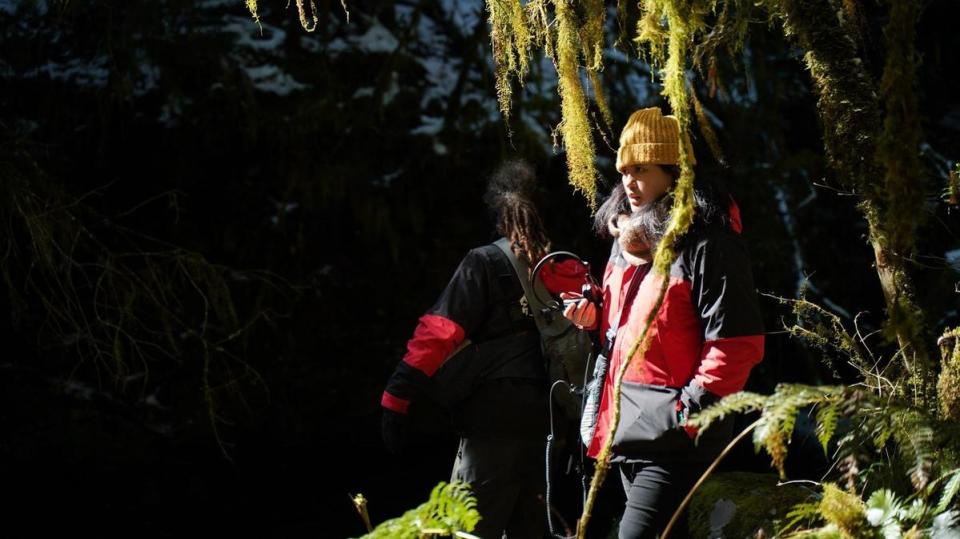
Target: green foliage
x=575, y=126
x=884, y=514
x=948, y=384
x=778, y=415
x=450, y=511
x=805, y=513
x=951, y=194
x=845, y=511
x=883, y=511
x=878, y=421
x=511, y=42
x=821, y=329
x=827, y=416
x=949, y=491
x=117, y=305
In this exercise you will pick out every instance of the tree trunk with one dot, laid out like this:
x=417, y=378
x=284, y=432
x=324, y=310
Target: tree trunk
x=850, y=110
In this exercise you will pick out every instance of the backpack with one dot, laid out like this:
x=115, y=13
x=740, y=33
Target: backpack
x=566, y=348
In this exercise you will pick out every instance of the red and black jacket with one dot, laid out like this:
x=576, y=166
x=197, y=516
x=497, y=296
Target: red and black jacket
x=705, y=338
x=483, y=302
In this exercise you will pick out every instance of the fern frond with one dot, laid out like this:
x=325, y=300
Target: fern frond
x=779, y=417
x=743, y=401
x=914, y=436
x=451, y=510
x=949, y=491
x=827, y=415
x=804, y=512
x=883, y=506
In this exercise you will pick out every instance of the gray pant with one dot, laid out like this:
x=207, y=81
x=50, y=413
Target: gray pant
x=506, y=476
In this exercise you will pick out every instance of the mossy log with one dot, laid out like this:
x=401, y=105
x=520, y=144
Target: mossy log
x=738, y=505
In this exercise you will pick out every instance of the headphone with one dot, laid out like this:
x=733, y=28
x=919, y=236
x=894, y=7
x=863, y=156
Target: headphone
x=590, y=289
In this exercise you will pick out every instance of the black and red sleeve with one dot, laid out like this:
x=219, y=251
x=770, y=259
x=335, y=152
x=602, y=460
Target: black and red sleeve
x=455, y=316
x=724, y=296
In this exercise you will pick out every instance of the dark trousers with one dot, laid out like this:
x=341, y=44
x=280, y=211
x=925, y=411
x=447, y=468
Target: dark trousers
x=506, y=476
x=654, y=491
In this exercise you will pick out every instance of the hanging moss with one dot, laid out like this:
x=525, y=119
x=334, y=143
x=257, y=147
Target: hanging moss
x=637, y=350
x=511, y=41
x=601, y=99
x=681, y=22
x=729, y=32
x=539, y=18
x=310, y=25
x=592, y=34
x=503, y=57
x=706, y=128
x=252, y=6
x=575, y=125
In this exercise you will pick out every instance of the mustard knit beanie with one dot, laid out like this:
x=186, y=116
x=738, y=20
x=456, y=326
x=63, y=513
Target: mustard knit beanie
x=650, y=137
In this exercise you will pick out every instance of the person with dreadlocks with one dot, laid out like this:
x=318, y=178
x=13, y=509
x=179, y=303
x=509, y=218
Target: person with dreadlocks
x=703, y=339
x=478, y=349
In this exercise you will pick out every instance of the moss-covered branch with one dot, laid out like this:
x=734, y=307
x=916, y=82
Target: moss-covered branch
x=850, y=111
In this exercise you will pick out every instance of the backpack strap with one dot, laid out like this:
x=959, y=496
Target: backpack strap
x=537, y=307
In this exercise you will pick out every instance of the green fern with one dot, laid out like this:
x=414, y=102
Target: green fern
x=450, y=511
x=949, y=491
x=779, y=417
x=736, y=403
x=827, y=415
x=801, y=513
x=884, y=510
x=914, y=437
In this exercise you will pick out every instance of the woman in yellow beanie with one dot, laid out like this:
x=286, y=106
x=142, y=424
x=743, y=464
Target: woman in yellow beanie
x=704, y=340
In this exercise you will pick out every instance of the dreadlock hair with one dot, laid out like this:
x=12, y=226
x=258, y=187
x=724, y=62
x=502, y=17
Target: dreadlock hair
x=510, y=194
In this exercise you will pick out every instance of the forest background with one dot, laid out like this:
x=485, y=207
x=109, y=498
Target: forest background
x=218, y=234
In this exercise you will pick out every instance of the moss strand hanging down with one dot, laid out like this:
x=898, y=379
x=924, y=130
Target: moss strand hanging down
x=683, y=22
x=511, y=39
x=252, y=6
x=308, y=26
x=575, y=125
x=600, y=98
x=638, y=349
x=706, y=129
x=593, y=38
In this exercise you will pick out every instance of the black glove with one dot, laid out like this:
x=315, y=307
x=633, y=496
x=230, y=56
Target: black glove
x=395, y=430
